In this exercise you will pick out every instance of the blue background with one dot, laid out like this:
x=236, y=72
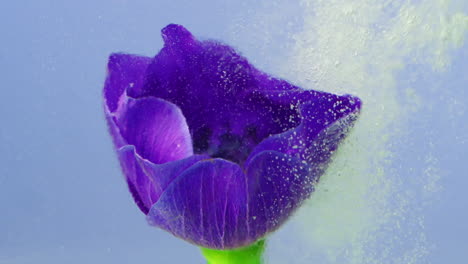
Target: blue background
x=62, y=196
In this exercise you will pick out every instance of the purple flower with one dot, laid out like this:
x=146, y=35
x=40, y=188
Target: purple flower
x=213, y=150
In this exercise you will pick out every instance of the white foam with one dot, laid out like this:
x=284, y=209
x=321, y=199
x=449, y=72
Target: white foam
x=363, y=211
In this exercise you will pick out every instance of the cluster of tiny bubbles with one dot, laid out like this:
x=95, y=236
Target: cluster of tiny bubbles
x=363, y=210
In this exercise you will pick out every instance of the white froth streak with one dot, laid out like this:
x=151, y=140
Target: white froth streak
x=358, y=47
x=361, y=208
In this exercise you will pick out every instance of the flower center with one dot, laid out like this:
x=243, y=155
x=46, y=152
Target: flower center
x=228, y=145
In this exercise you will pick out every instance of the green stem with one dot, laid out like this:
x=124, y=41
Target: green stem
x=248, y=255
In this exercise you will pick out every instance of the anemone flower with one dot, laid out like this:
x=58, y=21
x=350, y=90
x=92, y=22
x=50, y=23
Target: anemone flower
x=215, y=151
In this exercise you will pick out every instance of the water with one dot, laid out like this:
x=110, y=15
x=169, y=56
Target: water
x=395, y=192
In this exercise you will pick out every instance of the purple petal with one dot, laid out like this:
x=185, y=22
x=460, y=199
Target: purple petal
x=123, y=71
x=156, y=128
x=284, y=168
x=139, y=184
x=176, y=35
x=114, y=130
x=325, y=121
x=278, y=183
x=163, y=174
x=147, y=181
x=205, y=205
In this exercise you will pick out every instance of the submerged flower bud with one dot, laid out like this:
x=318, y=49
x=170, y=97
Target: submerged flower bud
x=215, y=151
